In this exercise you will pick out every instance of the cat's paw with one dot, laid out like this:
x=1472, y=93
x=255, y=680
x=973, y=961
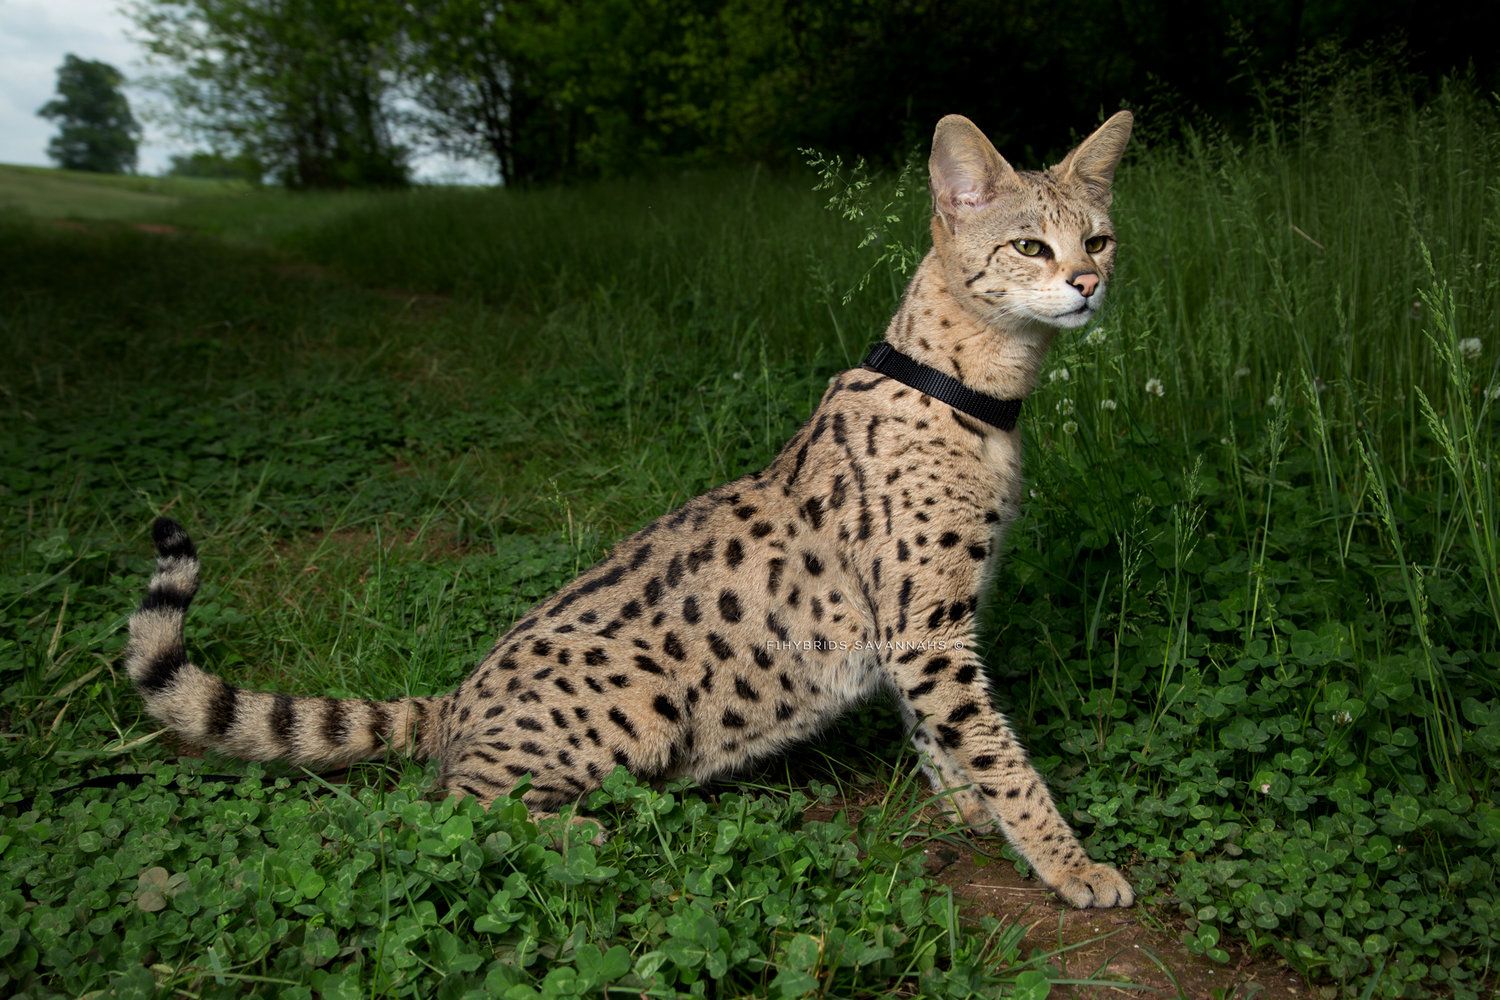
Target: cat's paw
x=1093, y=885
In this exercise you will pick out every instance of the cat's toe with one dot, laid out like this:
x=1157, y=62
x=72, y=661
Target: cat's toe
x=1093, y=886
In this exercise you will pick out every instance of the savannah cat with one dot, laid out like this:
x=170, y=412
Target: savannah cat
x=758, y=612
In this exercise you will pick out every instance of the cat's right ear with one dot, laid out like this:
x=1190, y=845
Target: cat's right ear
x=965, y=171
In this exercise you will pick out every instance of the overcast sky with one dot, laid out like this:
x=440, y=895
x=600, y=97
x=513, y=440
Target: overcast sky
x=34, y=37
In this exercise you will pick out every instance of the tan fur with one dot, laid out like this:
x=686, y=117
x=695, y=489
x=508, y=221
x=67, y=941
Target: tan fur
x=757, y=613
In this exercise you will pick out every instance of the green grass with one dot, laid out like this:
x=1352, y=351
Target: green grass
x=44, y=193
x=1250, y=626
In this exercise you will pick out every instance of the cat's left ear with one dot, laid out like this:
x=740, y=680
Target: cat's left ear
x=1094, y=161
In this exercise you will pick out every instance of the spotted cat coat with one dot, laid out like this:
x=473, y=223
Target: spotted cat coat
x=757, y=613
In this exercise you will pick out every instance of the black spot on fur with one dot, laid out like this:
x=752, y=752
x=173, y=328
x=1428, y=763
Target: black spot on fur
x=162, y=669
x=812, y=512
x=335, y=722
x=283, y=719
x=729, y=606
x=621, y=720
x=965, y=711
x=665, y=708
x=171, y=541
x=936, y=665
x=221, y=712
x=166, y=598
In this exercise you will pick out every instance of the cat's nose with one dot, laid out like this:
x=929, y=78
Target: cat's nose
x=1085, y=282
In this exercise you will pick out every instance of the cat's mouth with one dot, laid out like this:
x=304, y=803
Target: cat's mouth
x=1073, y=312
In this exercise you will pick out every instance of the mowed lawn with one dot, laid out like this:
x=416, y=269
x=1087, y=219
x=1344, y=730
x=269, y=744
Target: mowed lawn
x=1249, y=623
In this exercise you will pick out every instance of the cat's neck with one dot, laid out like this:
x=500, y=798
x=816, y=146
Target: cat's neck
x=932, y=326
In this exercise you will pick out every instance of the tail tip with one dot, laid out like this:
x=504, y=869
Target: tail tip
x=171, y=540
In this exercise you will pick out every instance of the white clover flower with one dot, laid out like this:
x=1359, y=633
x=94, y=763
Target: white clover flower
x=1070, y=427
x=1342, y=717
x=1265, y=788
x=1241, y=372
x=1155, y=387
x=1493, y=392
x=1107, y=404
x=1065, y=405
x=1274, y=402
x=1059, y=374
x=1225, y=442
x=738, y=376
x=1095, y=336
x=1470, y=347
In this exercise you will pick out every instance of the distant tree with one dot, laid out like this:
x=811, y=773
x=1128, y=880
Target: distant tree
x=96, y=130
x=217, y=166
x=556, y=89
x=303, y=87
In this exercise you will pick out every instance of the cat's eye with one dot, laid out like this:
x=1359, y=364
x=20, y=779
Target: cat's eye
x=1030, y=248
x=1095, y=243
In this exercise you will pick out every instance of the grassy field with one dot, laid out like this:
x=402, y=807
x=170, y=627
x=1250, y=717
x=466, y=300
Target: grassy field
x=43, y=193
x=1249, y=623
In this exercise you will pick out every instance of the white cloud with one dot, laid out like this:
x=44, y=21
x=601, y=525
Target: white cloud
x=34, y=37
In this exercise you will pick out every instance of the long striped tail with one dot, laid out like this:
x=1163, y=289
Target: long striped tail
x=254, y=725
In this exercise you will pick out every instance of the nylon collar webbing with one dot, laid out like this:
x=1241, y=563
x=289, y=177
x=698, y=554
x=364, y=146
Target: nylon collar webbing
x=886, y=360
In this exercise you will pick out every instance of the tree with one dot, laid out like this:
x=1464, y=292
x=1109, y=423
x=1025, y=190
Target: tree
x=303, y=87
x=96, y=131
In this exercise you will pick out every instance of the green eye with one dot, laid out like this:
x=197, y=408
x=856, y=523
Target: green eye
x=1095, y=243
x=1030, y=248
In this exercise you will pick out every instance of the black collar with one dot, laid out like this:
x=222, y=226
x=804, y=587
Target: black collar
x=886, y=360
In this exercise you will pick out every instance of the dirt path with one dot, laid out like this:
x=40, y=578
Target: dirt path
x=1117, y=945
x=1139, y=947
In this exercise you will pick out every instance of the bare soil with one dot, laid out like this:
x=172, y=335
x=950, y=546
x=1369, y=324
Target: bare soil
x=1135, y=947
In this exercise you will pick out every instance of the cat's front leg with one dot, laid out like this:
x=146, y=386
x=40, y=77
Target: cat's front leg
x=944, y=693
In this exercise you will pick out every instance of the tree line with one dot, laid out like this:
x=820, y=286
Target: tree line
x=325, y=93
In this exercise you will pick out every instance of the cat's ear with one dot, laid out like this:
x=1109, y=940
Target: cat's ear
x=1094, y=161
x=966, y=172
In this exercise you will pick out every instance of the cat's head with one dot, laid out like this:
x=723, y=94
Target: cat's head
x=1037, y=247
